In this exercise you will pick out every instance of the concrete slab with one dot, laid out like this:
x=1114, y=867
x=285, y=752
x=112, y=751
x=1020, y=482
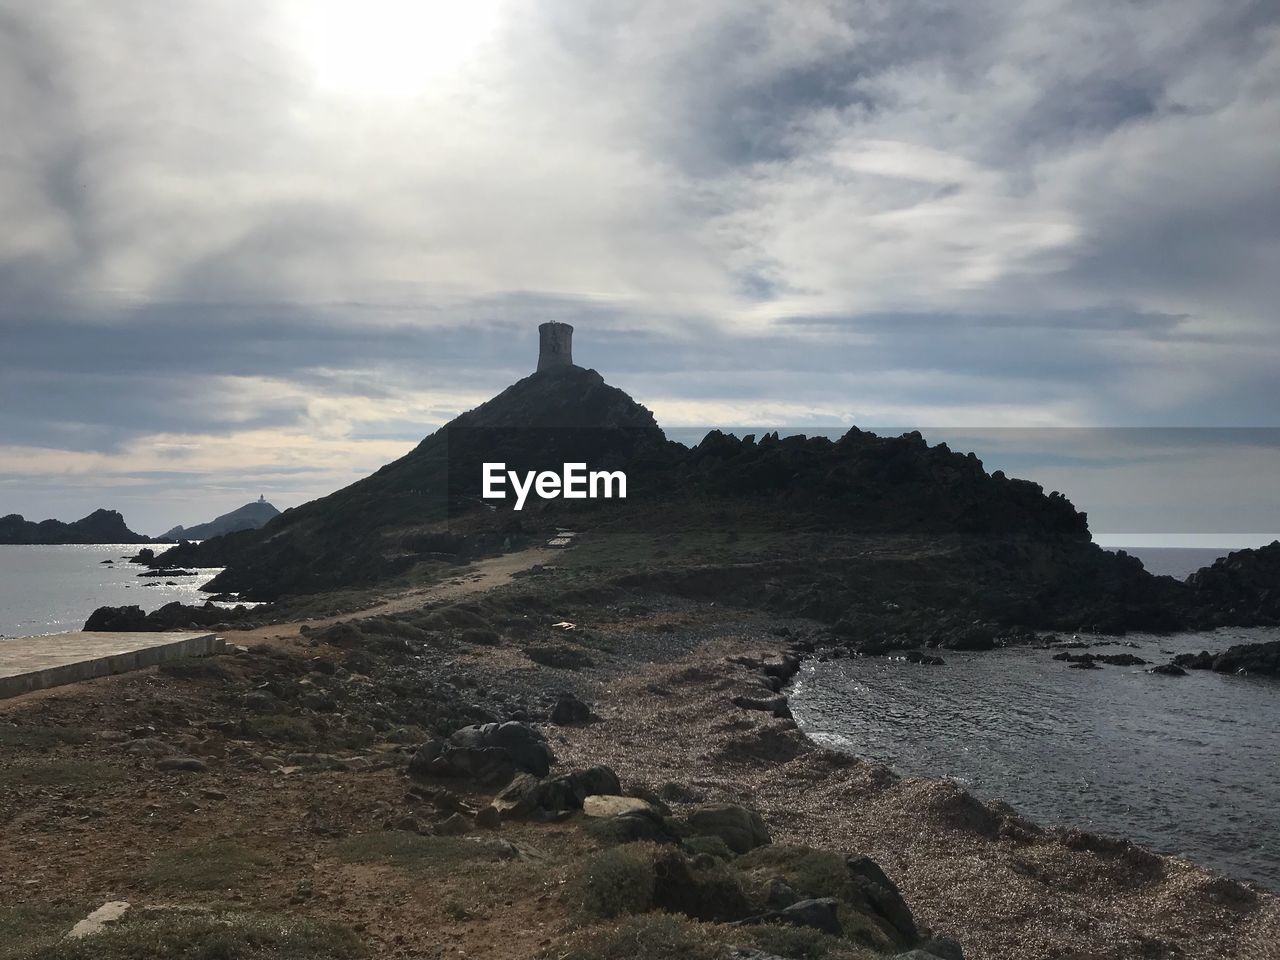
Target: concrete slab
x=36, y=663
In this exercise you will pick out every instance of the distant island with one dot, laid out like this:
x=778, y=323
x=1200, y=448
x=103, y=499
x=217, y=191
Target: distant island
x=101, y=526
x=249, y=517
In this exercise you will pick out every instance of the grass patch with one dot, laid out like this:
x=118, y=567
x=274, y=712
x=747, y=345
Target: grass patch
x=802, y=943
x=60, y=773
x=40, y=738
x=813, y=873
x=617, y=881
x=24, y=929
x=179, y=935
x=415, y=852
x=206, y=866
x=651, y=937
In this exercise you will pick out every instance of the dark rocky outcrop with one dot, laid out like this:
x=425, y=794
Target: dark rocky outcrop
x=172, y=616
x=1003, y=556
x=489, y=753
x=1240, y=589
x=1087, y=661
x=1250, y=658
x=101, y=526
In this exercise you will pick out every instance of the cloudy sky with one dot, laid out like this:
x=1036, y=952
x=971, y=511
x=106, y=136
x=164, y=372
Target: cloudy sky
x=264, y=246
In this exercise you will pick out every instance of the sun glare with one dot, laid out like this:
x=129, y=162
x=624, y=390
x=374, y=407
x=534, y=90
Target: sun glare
x=390, y=48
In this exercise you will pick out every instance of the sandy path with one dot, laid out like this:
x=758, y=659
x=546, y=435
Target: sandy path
x=475, y=578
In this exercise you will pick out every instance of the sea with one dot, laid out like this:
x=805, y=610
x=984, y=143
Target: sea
x=1183, y=765
x=53, y=589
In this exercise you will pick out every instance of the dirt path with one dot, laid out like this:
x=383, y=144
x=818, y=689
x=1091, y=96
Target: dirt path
x=475, y=578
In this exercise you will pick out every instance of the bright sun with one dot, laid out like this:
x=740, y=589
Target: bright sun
x=390, y=48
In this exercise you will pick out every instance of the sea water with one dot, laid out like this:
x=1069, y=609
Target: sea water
x=51, y=589
x=1184, y=765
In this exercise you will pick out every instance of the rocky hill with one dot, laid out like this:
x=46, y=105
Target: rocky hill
x=1242, y=588
x=249, y=517
x=101, y=526
x=427, y=504
x=382, y=524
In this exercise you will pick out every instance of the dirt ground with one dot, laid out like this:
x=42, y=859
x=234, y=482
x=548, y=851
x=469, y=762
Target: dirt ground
x=90, y=815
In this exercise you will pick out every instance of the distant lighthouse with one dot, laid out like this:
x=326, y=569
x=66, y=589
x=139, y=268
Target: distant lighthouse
x=555, y=345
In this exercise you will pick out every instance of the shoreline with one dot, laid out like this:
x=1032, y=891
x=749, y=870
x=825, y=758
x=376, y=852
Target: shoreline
x=1004, y=887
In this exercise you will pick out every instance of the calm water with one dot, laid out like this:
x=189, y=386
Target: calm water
x=1177, y=562
x=1186, y=765
x=49, y=589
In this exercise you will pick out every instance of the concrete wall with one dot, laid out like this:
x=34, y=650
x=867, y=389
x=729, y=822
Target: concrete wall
x=36, y=663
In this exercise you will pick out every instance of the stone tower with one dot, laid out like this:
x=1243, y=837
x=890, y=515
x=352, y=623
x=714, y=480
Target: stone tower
x=555, y=345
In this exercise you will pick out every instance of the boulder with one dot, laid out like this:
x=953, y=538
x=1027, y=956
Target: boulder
x=519, y=798
x=116, y=620
x=569, y=709
x=526, y=747
x=818, y=913
x=569, y=790
x=452, y=826
x=604, y=805
x=880, y=897
x=740, y=828
x=636, y=826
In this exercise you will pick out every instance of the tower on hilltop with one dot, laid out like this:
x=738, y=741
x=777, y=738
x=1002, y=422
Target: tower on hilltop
x=555, y=345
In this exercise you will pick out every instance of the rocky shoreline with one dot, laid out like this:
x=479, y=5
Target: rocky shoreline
x=398, y=768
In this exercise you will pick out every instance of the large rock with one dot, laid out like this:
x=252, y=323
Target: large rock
x=880, y=897
x=569, y=709
x=528, y=796
x=116, y=620
x=818, y=913
x=1246, y=658
x=526, y=747
x=741, y=829
x=613, y=806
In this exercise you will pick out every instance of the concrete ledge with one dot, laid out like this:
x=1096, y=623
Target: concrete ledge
x=37, y=663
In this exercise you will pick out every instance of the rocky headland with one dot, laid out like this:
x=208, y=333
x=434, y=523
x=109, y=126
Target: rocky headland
x=101, y=526
x=251, y=516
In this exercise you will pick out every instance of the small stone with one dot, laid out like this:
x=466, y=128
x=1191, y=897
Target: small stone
x=182, y=764
x=95, y=922
x=489, y=818
x=452, y=826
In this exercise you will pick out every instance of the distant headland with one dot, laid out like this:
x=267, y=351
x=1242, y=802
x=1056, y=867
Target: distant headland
x=101, y=526
x=108, y=526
